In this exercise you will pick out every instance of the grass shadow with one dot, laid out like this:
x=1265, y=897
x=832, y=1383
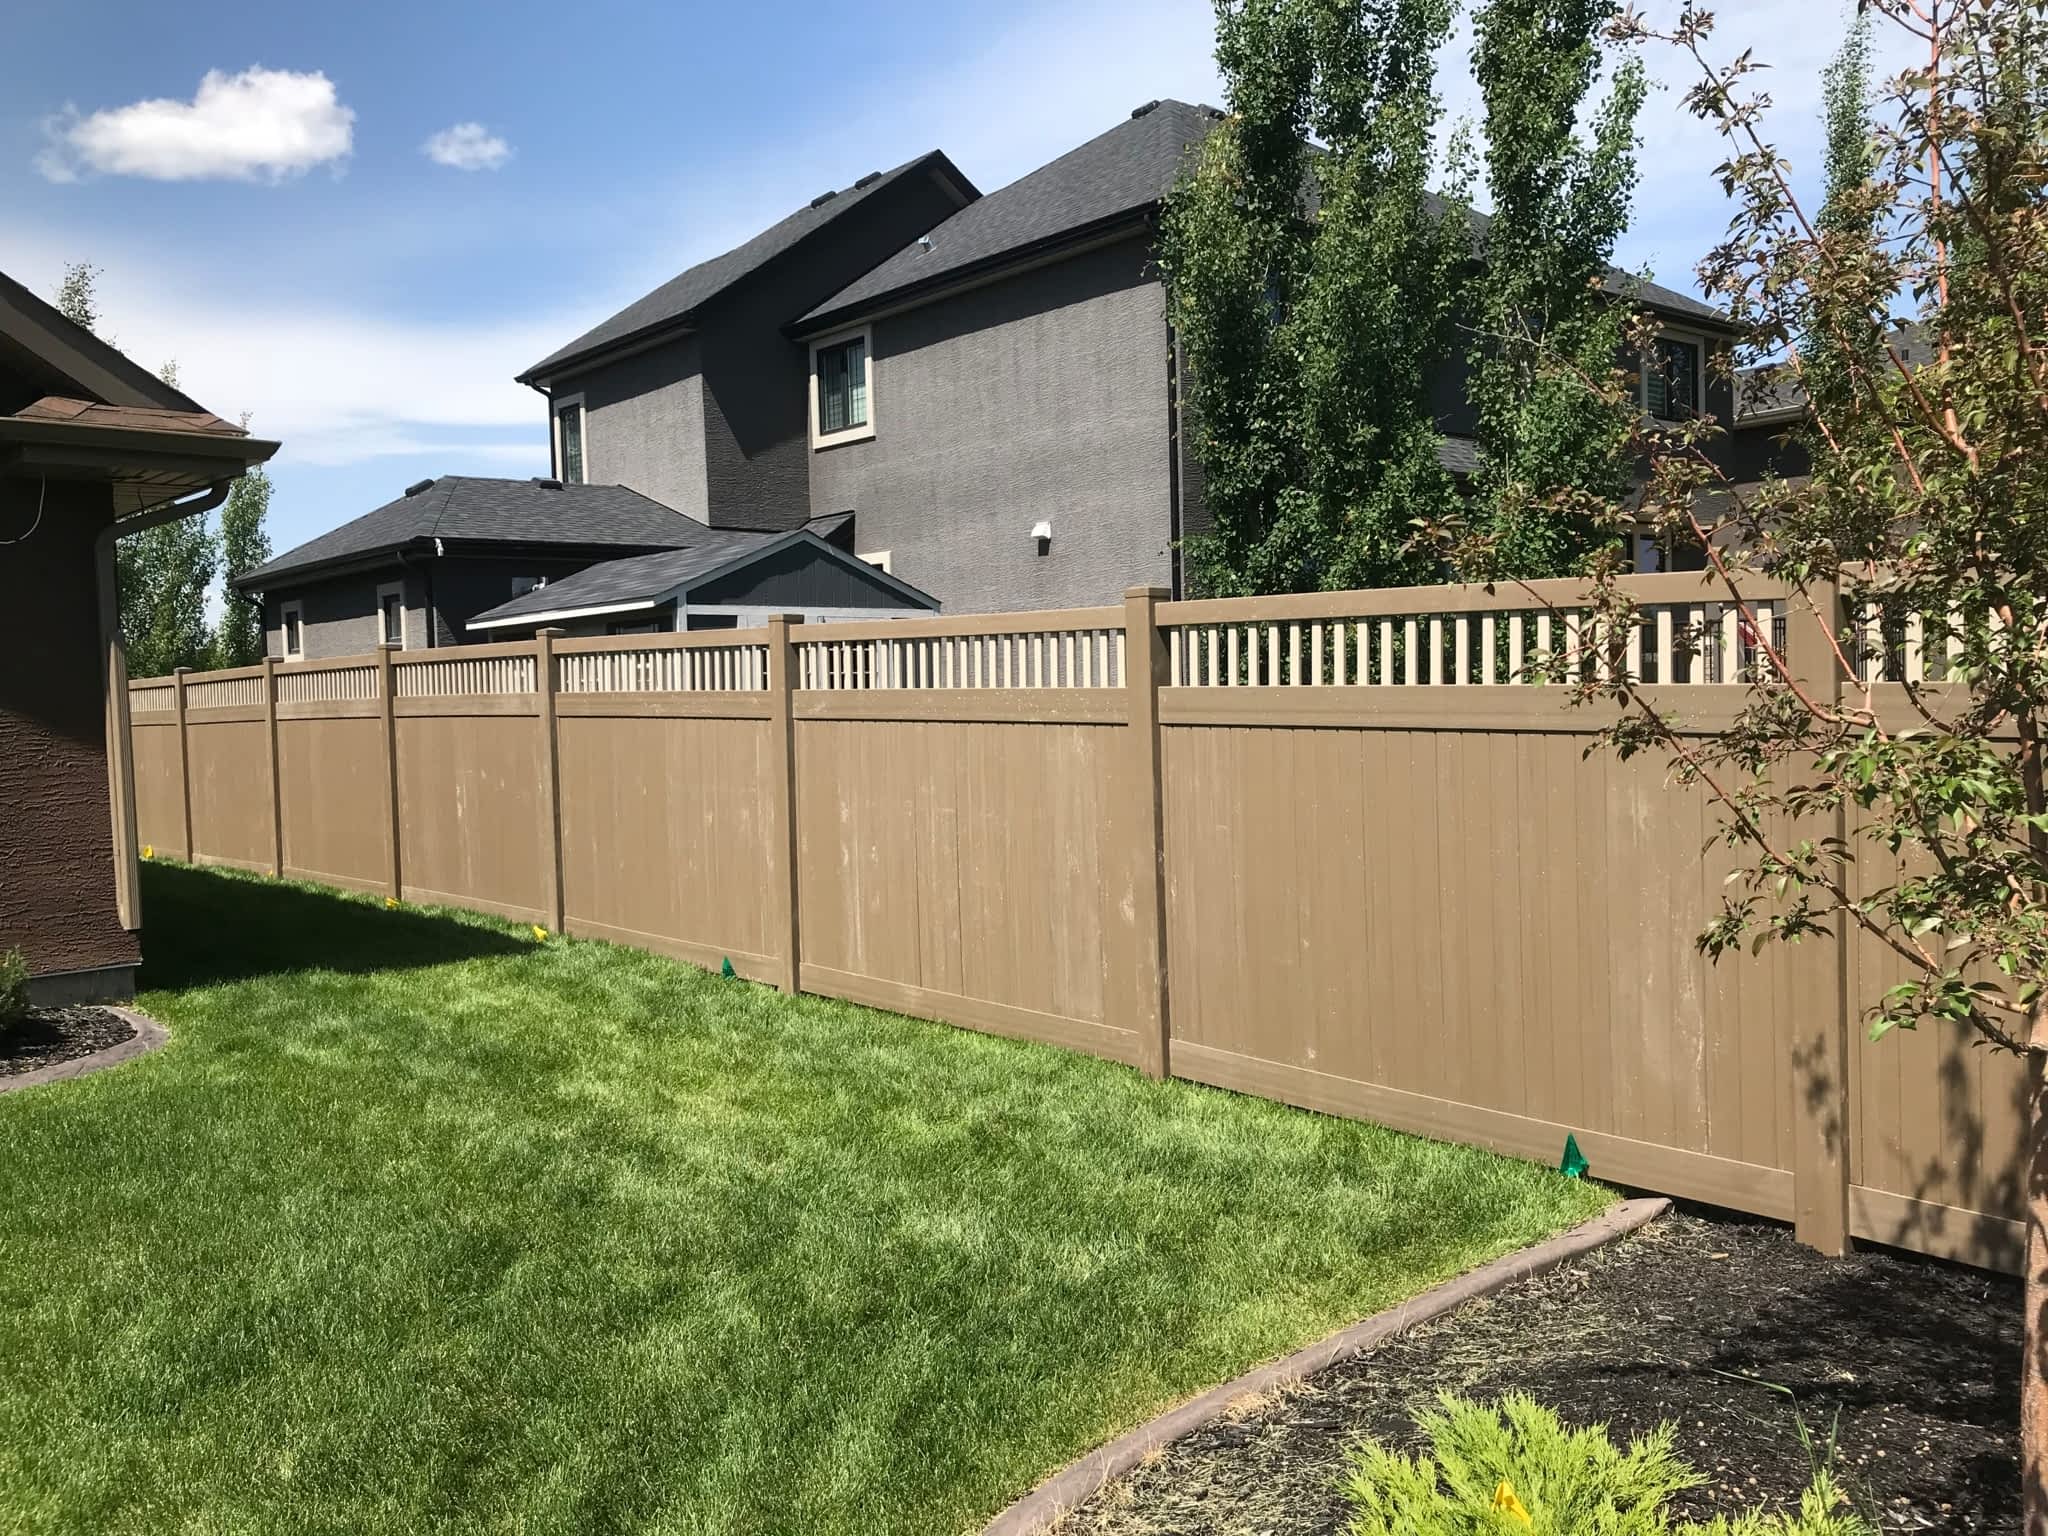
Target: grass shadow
x=205, y=927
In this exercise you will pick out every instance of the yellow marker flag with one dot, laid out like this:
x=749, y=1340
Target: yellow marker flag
x=390, y=903
x=540, y=934
x=1504, y=1500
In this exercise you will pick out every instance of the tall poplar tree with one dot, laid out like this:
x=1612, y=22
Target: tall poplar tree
x=1311, y=281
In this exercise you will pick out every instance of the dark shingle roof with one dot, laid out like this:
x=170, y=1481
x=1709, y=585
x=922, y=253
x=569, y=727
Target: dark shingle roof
x=636, y=578
x=1121, y=173
x=475, y=510
x=643, y=578
x=690, y=290
x=1773, y=389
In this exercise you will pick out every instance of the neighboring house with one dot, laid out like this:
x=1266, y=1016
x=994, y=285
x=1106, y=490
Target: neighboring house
x=694, y=394
x=420, y=571
x=91, y=446
x=978, y=394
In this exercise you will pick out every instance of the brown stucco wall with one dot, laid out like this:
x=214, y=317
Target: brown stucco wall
x=56, y=839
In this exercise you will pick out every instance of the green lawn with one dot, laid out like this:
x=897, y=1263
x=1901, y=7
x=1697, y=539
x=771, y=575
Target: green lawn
x=420, y=1225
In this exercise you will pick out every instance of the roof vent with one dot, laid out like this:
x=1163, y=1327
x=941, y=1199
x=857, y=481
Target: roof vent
x=924, y=244
x=1141, y=111
x=868, y=180
x=418, y=486
x=822, y=199
x=546, y=484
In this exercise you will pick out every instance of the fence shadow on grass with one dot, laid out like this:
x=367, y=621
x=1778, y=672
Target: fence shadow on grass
x=205, y=928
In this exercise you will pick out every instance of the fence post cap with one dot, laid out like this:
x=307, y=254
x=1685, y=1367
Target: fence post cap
x=179, y=671
x=785, y=618
x=1161, y=593
x=552, y=631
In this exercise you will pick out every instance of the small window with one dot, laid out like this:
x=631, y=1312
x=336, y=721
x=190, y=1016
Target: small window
x=840, y=407
x=570, y=418
x=521, y=585
x=632, y=627
x=391, y=614
x=1672, y=382
x=292, y=620
x=714, y=621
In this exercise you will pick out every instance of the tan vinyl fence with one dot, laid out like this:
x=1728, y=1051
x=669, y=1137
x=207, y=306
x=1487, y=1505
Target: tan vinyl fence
x=1343, y=850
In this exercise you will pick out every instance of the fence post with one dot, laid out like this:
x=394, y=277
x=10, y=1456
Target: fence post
x=386, y=674
x=1824, y=1005
x=178, y=676
x=782, y=805
x=551, y=768
x=276, y=788
x=1145, y=670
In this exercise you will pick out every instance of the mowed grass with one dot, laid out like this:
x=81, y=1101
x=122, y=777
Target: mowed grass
x=420, y=1225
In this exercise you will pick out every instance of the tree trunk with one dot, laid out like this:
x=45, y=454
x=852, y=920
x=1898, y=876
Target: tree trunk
x=2033, y=1365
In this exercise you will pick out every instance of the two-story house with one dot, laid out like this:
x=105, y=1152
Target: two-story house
x=978, y=394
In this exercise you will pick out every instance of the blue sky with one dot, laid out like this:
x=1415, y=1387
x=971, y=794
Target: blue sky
x=285, y=233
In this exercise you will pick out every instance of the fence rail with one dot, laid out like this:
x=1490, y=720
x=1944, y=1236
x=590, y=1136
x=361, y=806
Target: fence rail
x=1357, y=830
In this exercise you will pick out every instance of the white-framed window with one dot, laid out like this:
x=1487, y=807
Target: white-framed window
x=1675, y=377
x=521, y=585
x=391, y=614
x=291, y=620
x=842, y=388
x=879, y=557
x=569, y=441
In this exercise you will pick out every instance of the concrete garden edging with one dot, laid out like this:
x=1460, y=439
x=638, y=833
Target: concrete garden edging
x=149, y=1036
x=1078, y=1481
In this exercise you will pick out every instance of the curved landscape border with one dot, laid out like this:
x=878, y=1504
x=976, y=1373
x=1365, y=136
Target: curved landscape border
x=1039, y=1509
x=149, y=1036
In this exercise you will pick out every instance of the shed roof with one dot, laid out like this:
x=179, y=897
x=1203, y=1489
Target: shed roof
x=644, y=580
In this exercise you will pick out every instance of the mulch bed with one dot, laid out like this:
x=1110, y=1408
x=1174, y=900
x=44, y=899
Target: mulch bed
x=50, y=1036
x=1727, y=1327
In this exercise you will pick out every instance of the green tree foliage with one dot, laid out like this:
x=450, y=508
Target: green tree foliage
x=1312, y=293
x=165, y=573
x=1560, y=201
x=244, y=545
x=1864, y=794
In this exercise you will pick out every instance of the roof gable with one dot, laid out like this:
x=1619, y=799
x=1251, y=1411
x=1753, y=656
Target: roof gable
x=1118, y=174
x=681, y=296
x=52, y=355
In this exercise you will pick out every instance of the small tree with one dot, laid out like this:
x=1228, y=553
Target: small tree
x=244, y=545
x=1924, y=521
x=1311, y=291
x=1559, y=205
x=78, y=298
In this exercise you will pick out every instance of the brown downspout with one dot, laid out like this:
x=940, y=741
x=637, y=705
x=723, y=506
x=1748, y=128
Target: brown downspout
x=114, y=679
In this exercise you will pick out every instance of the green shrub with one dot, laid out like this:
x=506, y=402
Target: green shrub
x=1513, y=1469
x=13, y=988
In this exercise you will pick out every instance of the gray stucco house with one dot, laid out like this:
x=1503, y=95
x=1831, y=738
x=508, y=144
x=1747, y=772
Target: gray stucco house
x=979, y=395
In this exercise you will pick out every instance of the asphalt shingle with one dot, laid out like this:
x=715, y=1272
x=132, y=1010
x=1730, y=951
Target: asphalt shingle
x=513, y=511
x=1121, y=173
x=692, y=289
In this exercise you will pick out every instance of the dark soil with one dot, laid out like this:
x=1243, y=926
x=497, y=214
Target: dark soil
x=1727, y=1327
x=52, y=1035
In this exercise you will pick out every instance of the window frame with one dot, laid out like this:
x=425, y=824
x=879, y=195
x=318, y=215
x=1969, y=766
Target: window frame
x=1697, y=340
x=390, y=589
x=533, y=584
x=879, y=558
x=558, y=409
x=865, y=334
x=287, y=611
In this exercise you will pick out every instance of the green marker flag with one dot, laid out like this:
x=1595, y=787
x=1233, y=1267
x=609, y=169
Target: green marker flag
x=1573, y=1164
x=725, y=967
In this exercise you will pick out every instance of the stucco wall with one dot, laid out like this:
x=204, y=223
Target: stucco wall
x=440, y=594
x=643, y=425
x=341, y=613
x=1040, y=397
x=56, y=859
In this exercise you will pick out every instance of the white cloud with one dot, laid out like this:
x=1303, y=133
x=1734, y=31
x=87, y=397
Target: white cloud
x=260, y=125
x=467, y=147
